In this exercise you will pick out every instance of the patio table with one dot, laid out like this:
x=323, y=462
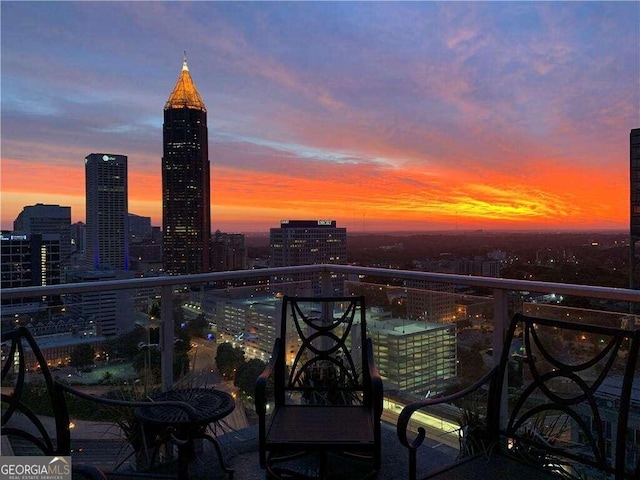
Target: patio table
x=209, y=406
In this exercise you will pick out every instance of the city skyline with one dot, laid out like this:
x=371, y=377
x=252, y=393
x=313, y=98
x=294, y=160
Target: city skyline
x=382, y=116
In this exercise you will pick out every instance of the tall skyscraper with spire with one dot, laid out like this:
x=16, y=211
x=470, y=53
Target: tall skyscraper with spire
x=186, y=215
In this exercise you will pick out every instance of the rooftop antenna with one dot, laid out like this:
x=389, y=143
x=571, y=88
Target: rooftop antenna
x=184, y=62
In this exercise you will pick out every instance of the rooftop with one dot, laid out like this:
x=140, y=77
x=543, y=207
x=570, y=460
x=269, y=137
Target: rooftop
x=184, y=94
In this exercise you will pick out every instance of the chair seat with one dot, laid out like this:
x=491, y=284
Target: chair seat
x=321, y=426
x=495, y=467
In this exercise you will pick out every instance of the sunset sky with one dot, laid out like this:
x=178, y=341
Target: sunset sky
x=380, y=115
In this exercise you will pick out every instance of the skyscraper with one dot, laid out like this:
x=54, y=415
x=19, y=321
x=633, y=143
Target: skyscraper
x=186, y=187
x=309, y=242
x=107, y=211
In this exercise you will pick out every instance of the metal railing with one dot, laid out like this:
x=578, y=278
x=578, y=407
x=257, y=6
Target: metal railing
x=500, y=288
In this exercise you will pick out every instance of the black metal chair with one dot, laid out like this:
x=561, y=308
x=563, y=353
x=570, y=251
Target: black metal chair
x=14, y=371
x=20, y=422
x=321, y=394
x=571, y=411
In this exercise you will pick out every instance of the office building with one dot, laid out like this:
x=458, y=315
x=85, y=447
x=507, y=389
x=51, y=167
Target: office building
x=111, y=311
x=309, y=242
x=251, y=323
x=46, y=219
x=186, y=186
x=414, y=356
x=431, y=301
x=28, y=260
x=107, y=230
x=228, y=252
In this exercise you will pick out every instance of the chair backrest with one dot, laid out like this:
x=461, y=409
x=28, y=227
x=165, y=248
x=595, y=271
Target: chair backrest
x=573, y=397
x=323, y=352
x=22, y=360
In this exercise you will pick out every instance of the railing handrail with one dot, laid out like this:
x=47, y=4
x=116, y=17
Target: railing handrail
x=622, y=294
x=625, y=294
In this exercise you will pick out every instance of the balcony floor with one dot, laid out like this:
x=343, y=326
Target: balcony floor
x=241, y=450
x=100, y=446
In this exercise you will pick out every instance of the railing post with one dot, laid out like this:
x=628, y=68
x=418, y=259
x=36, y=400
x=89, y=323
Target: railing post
x=500, y=324
x=166, y=337
x=326, y=286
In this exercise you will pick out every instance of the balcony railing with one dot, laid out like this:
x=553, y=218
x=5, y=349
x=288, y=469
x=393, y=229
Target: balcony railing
x=387, y=291
x=500, y=288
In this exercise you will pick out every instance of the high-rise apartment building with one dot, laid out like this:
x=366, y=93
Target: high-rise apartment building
x=634, y=217
x=309, y=242
x=186, y=210
x=107, y=228
x=45, y=219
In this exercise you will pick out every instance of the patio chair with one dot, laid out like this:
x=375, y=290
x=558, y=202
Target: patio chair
x=570, y=413
x=18, y=419
x=49, y=434
x=319, y=398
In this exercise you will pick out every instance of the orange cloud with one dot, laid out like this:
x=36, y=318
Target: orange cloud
x=543, y=193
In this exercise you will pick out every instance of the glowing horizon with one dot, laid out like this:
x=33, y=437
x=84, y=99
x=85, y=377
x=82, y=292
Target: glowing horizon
x=382, y=116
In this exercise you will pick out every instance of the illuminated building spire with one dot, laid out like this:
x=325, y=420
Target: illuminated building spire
x=184, y=94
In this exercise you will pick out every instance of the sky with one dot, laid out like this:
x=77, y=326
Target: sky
x=384, y=116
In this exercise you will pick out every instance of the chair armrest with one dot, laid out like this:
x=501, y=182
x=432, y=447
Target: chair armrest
x=191, y=412
x=376, y=381
x=409, y=410
x=261, y=381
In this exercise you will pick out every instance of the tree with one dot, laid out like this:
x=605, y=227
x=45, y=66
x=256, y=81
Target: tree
x=247, y=374
x=228, y=359
x=155, y=310
x=82, y=355
x=198, y=326
x=147, y=364
x=125, y=345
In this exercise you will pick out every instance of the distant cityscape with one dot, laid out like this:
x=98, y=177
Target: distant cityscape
x=45, y=248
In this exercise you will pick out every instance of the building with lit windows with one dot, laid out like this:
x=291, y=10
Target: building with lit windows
x=107, y=227
x=431, y=301
x=248, y=322
x=309, y=242
x=28, y=260
x=186, y=216
x=417, y=357
x=228, y=252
